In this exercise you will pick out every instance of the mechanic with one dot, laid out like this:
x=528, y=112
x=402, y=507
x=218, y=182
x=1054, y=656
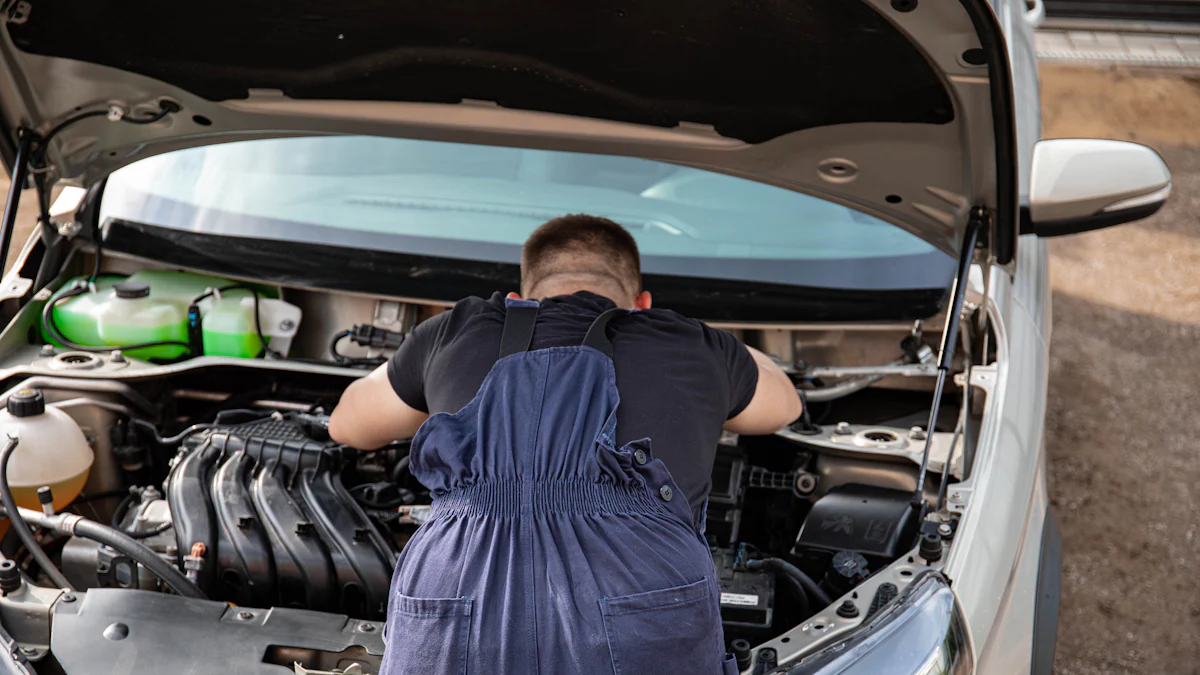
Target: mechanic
x=564, y=537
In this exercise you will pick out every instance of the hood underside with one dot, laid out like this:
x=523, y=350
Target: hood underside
x=883, y=106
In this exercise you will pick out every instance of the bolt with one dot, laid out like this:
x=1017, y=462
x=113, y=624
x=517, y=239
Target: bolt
x=28, y=651
x=842, y=428
x=47, y=350
x=245, y=616
x=68, y=597
x=367, y=628
x=916, y=433
x=287, y=324
x=956, y=497
x=945, y=530
x=115, y=113
x=116, y=356
x=848, y=610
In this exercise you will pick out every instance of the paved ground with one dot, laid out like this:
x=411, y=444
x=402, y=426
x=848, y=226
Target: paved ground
x=1125, y=391
x=1124, y=427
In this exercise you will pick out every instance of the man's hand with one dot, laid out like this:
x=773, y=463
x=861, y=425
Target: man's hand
x=775, y=404
x=371, y=415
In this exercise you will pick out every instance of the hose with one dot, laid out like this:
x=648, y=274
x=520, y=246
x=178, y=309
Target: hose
x=171, y=440
x=163, y=527
x=851, y=386
x=122, y=509
x=841, y=389
x=798, y=592
x=72, y=524
x=139, y=552
x=19, y=524
x=786, y=568
x=400, y=468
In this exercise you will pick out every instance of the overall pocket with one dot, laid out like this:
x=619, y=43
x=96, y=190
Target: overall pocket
x=671, y=630
x=429, y=636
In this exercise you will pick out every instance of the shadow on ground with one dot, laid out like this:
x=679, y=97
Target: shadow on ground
x=1125, y=470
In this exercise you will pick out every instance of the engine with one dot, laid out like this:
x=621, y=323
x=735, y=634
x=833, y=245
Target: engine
x=291, y=538
x=258, y=515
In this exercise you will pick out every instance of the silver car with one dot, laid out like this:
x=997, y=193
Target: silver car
x=243, y=208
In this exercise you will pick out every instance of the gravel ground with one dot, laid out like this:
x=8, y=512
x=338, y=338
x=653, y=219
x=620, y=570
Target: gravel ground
x=1125, y=371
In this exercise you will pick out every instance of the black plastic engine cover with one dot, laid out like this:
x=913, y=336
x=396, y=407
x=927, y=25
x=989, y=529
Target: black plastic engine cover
x=878, y=523
x=269, y=505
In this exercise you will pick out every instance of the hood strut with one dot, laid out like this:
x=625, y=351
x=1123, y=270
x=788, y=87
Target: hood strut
x=31, y=154
x=949, y=338
x=19, y=177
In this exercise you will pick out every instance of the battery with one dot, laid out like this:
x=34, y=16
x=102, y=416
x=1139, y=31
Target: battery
x=747, y=598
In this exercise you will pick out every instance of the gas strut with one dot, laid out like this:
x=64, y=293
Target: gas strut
x=949, y=337
x=20, y=174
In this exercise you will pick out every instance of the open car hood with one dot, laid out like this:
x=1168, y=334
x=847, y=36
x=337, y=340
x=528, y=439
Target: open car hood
x=898, y=108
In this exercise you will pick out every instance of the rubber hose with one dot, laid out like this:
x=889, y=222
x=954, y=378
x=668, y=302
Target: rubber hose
x=400, y=468
x=786, y=568
x=19, y=524
x=798, y=591
x=149, y=533
x=122, y=509
x=123, y=543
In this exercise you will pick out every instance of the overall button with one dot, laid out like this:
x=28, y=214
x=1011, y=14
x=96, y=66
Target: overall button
x=639, y=456
x=666, y=493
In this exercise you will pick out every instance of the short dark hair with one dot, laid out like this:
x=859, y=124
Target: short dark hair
x=610, y=251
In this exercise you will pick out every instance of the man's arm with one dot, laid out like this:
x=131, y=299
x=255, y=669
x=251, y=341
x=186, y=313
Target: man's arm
x=775, y=403
x=370, y=414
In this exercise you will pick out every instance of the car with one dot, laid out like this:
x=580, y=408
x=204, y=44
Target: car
x=244, y=208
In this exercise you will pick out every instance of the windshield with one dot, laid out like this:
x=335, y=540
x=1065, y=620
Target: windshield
x=479, y=203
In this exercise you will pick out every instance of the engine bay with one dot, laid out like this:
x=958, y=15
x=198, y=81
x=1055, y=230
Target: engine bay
x=220, y=466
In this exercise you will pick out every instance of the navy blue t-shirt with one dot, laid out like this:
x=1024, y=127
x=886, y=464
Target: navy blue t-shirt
x=679, y=379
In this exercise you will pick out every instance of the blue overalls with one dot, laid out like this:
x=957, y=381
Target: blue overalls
x=550, y=550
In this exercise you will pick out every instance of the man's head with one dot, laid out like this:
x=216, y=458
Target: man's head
x=583, y=253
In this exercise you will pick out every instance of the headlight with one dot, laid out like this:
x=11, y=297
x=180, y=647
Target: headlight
x=923, y=635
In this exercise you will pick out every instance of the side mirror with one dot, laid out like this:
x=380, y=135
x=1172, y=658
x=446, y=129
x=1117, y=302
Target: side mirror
x=1079, y=184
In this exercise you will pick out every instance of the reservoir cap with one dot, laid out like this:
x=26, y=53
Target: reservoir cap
x=132, y=289
x=26, y=403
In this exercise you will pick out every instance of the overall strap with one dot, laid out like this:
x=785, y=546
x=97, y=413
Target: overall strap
x=519, y=318
x=597, y=335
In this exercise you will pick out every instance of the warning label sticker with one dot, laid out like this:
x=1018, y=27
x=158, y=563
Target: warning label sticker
x=739, y=599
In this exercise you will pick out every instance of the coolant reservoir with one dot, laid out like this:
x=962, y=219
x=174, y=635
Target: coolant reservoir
x=52, y=450
x=132, y=315
x=152, y=306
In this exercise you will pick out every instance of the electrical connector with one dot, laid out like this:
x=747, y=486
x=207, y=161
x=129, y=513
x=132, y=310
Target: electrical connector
x=366, y=335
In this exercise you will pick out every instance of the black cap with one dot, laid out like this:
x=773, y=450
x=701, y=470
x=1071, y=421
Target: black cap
x=26, y=403
x=132, y=289
x=846, y=570
x=10, y=577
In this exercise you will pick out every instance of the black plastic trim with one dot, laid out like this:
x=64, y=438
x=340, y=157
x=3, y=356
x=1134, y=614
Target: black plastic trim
x=991, y=39
x=1059, y=228
x=1049, y=592
x=1180, y=11
x=373, y=271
